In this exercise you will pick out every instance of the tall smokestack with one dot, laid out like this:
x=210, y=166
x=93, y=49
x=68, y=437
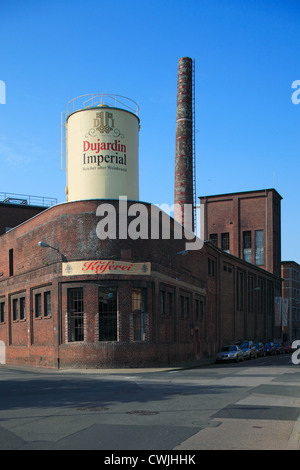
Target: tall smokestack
x=184, y=155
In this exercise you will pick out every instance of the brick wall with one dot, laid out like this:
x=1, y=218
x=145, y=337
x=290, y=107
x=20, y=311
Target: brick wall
x=247, y=211
x=12, y=215
x=173, y=333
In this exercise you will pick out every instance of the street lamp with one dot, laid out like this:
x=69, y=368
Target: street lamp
x=182, y=253
x=179, y=253
x=45, y=245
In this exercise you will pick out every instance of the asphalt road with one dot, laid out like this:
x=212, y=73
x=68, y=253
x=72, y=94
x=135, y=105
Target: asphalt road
x=250, y=405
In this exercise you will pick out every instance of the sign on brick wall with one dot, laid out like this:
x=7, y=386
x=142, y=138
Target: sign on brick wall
x=77, y=268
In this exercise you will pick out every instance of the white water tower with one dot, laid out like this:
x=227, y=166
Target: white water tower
x=102, y=148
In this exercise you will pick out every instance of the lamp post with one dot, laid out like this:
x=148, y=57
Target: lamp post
x=45, y=245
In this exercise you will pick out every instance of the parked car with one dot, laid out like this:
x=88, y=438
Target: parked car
x=260, y=348
x=279, y=348
x=287, y=347
x=249, y=349
x=231, y=352
x=270, y=348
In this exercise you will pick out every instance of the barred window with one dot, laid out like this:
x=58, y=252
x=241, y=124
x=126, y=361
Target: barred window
x=15, y=310
x=225, y=242
x=75, y=314
x=166, y=302
x=184, y=306
x=138, y=312
x=213, y=238
x=47, y=304
x=38, y=305
x=22, y=309
x=108, y=314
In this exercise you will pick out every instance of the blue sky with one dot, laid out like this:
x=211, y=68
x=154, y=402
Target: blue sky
x=246, y=56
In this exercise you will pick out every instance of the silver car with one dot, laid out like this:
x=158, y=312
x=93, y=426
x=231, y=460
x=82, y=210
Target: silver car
x=230, y=353
x=249, y=349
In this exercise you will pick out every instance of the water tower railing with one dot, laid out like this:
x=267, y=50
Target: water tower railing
x=100, y=99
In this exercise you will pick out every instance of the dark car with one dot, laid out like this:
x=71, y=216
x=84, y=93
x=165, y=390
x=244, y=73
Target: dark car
x=260, y=348
x=270, y=348
x=279, y=348
x=249, y=349
x=287, y=347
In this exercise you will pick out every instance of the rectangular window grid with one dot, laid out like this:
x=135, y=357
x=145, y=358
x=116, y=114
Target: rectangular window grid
x=47, y=304
x=108, y=314
x=259, y=247
x=225, y=242
x=22, y=309
x=138, y=311
x=38, y=305
x=15, y=310
x=247, y=246
x=75, y=314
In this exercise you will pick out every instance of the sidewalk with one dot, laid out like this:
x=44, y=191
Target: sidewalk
x=242, y=434
x=137, y=370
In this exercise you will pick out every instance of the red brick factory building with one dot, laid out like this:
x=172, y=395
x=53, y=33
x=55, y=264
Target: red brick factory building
x=177, y=307
x=70, y=297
